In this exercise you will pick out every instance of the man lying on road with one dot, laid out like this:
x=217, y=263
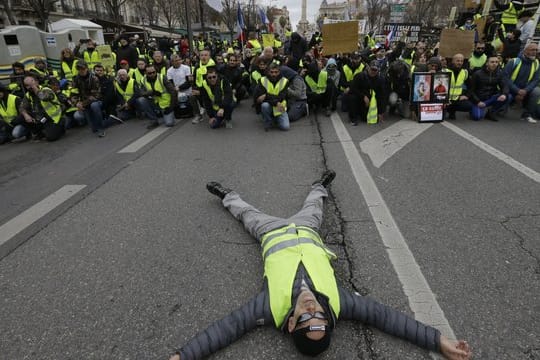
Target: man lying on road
x=300, y=295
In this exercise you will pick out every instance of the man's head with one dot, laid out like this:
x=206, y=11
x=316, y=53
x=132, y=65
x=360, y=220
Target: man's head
x=420, y=47
x=40, y=63
x=150, y=72
x=124, y=64
x=99, y=70
x=479, y=48
x=122, y=75
x=82, y=68
x=176, y=61
x=141, y=64
x=31, y=84
x=434, y=64
x=309, y=325
x=492, y=63
x=373, y=69
x=211, y=76
x=530, y=51
x=273, y=71
x=157, y=56
x=268, y=53
x=91, y=44
x=124, y=40
x=204, y=56
x=457, y=61
x=66, y=53
x=18, y=68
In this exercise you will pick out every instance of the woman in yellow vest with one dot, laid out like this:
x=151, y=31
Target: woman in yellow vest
x=11, y=123
x=301, y=295
x=68, y=64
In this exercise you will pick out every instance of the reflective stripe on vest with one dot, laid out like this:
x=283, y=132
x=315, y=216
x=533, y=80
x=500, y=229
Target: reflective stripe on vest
x=372, y=115
x=68, y=71
x=456, y=88
x=9, y=113
x=201, y=71
x=476, y=62
x=211, y=94
x=52, y=108
x=164, y=100
x=128, y=93
x=349, y=74
x=510, y=15
x=409, y=60
x=138, y=76
x=320, y=86
x=275, y=90
x=283, y=250
x=93, y=59
x=517, y=67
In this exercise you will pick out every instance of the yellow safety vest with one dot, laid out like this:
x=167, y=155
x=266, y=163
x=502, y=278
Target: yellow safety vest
x=320, y=86
x=277, y=43
x=349, y=74
x=211, y=94
x=138, y=76
x=256, y=76
x=456, y=89
x=128, y=93
x=510, y=15
x=275, y=90
x=69, y=72
x=517, y=67
x=475, y=62
x=409, y=60
x=201, y=71
x=52, y=108
x=372, y=115
x=283, y=250
x=93, y=59
x=68, y=93
x=255, y=45
x=9, y=113
x=164, y=100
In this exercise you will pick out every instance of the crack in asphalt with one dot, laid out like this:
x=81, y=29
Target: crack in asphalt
x=335, y=228
x=505, y=224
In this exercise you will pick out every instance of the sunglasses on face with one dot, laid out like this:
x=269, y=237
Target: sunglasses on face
x=308, y=316
x=212, y=77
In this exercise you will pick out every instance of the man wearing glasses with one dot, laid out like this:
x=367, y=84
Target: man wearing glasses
x=158, y=98
x=368, y=89
x=300, y=295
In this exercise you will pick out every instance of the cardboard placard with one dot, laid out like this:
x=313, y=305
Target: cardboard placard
x=340, y=38
x=107, y=59
x=268, y=40
x=480, y=25
x=456, y=41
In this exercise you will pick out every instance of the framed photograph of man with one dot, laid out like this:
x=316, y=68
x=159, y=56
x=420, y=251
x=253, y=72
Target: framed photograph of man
x=421, y=87
x=441, y=87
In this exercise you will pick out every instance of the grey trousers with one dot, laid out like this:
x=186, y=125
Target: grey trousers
x=257, y=223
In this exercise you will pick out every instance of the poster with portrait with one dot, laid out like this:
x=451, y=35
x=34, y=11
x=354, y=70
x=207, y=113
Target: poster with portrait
x=421, y=87
x=441, y=87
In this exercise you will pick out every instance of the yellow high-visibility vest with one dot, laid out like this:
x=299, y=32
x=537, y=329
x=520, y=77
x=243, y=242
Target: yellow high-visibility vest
x=275, y=90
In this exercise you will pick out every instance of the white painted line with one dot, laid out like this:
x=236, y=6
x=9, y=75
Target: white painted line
x=144, y=140
x=421, y=299
x=381, y=146
x=498, y=154
x=34, y=213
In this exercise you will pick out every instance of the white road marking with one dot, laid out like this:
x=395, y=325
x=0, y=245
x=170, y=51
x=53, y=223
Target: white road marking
x=381, y=146
x=37, y=211
x=421, y=299
x=144, y=140
x=498, y=154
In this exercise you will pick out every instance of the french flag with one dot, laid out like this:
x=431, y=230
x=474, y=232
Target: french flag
x=389, y=37
x=264, y=19
x=240, y=24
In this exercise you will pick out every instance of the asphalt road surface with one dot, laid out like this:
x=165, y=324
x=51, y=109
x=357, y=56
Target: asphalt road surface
x=113, y=249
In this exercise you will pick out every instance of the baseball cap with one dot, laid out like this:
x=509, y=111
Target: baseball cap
x=123, y=62
x=309, y=346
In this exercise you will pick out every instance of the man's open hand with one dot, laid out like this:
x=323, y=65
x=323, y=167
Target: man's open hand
x=175, y=357
x=455, y=350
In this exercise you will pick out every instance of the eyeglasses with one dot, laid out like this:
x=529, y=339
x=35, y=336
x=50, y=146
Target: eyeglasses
x=308, y=316
x=212, y=77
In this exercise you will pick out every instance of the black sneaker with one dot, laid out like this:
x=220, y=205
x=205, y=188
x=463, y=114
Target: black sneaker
x=217, y=189
x=152, y=125
x=326, y=178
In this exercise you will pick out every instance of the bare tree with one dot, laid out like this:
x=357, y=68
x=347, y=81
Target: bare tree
x=423, y=12
x=148, y=10
x=377, y=13
x=113, y=9
x=229, y=14
x=6, y=4
x=42, y=8
x=170, y=11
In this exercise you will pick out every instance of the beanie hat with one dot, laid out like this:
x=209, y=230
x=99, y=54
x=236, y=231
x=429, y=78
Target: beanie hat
x=309, y=346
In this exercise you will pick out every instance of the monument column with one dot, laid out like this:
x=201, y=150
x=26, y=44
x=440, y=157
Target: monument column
x=303, y=24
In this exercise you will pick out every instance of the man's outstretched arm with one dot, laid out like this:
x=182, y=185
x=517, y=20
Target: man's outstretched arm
x=227, y=330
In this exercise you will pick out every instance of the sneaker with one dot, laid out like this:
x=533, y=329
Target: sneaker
x=217, y=189
x=228, y=124
x=152, y=125
x=531, y=120
x=491, y=116
x=326, y=178
x=354, y=123
x=117, y=119
x=197, y=119
x=101, y=133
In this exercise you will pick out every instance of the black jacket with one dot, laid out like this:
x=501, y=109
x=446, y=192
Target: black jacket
x=485, y=84
x=128, y=53
x=353, y=306
x=222, y=92
x=362, y=85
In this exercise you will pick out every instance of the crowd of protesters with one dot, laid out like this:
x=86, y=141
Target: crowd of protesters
x=163, y=80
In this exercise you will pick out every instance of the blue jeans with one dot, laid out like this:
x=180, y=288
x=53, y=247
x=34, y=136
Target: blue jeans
x=529, y=103
x=154, y=112
x=269, y=118
x=478, y=113
x=94, y=115
x=297, y=110
x=227, y=113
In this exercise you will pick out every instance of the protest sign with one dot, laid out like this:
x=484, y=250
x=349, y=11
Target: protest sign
x=268, y=40
x=408, y=31
x=340, y=37
x=456, y=41
x=107, y=59
x=431, y=112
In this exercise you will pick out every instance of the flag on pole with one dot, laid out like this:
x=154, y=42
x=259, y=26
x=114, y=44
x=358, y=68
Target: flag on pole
x=240, y=24
x=264, y=19
x=389, y=37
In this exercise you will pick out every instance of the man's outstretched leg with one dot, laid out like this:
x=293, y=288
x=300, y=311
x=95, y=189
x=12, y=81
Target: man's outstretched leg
x=255, y=222
x=311, y=214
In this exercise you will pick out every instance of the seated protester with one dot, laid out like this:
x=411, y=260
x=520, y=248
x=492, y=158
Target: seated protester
x=333, y=82
x=522, y=75
x=489, y=91
x=217, y=99
x=369, y=90
x=42, y=110
x=379, y=55
x=124, y=64
x=68, y=64
x=319, y=94
x=459, y=79
x=296, y=94
x=90, y=55
x=16, y=86
x=399, y=82
x=271, y=95
x=12, y=125
x=234, y=74
x=511, y=44
x=160, y=64
x=87, y=99
x=139, y=72
x=478, y=58
x=125, y=89
x=39, y=71
x=259, y=70
x=157, y=98
x=269, y=56
x=248, y=59
x=348, y=71
x=65, y=93
x=181, y=77
x=199, y=72
x=106, y=84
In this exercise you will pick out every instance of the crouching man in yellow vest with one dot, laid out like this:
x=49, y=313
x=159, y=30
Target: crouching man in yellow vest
x=11, y=122
x=158, y=98
x=300, y=295
x=42, y=110
x=271, y=96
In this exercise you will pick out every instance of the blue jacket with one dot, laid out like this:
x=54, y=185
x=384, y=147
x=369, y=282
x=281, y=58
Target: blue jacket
x=522, y=80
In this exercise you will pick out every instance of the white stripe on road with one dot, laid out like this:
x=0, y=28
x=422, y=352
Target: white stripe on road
x=381, y=146
x=34, y=213
x=498, y=154
x=421, y=299
x=143, y=141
